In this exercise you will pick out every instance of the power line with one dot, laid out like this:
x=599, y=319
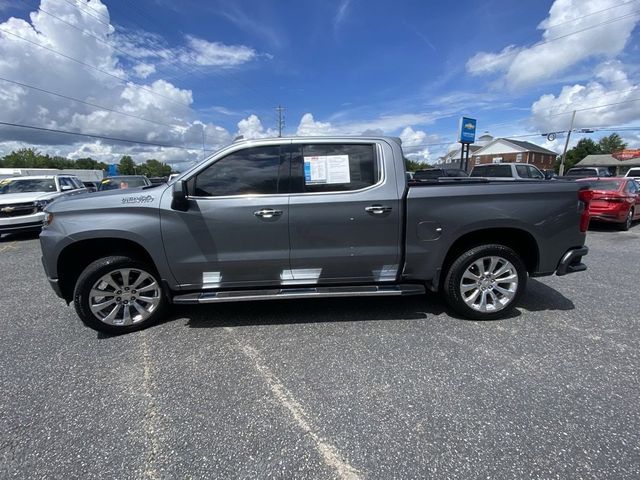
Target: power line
x=101, y=137
x=117, y=77
x=95, y=105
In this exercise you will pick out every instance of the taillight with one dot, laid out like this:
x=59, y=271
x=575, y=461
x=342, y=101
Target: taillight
x=610, y=199
x=584, y=196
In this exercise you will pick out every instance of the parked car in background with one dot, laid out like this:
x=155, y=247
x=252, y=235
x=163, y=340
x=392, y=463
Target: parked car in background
x=588, y=172
x=123, y=182
x=23, y=199
x=633, y=173
x=435, y=173
x=614, y=200
x=507, y=171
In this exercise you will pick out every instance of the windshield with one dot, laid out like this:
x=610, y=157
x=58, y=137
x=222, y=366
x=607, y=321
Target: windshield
x=122, y=182
x=25, y=185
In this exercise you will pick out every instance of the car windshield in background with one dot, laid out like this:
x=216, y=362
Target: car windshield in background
x=121, y=183
x=492, y=171
x=27, y=185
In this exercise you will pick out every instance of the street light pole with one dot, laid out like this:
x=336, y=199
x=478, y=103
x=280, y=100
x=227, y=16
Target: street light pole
x=566, y=144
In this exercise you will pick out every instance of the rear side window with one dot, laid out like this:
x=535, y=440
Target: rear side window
x=492, y=171
x=334, y=167
x=254, y=171
x=633, y=172
x=428, y=174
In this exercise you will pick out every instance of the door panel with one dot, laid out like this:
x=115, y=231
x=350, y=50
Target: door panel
x=344, y=236
x=240, y=239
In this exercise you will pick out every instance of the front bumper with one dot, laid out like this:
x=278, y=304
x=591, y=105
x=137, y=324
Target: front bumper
x=23, y=223
x=571, y=261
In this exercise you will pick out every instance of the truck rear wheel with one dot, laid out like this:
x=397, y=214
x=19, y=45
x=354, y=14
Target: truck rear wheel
x=485, y=282
x=118, y=294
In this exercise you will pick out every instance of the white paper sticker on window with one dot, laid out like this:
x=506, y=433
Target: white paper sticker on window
x=326, y=169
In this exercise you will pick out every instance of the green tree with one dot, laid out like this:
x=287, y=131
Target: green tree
x=584, y=147
x=157, y=169
x=612, y=143
x=127, y=166
x=23, y=158
x=412, y=165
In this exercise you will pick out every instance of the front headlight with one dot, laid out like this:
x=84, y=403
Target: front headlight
x=41, y=204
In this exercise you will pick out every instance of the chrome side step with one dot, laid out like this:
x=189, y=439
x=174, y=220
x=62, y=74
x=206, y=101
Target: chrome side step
x=287, y=293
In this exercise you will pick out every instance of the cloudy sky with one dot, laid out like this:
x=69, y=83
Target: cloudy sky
x=183, y=77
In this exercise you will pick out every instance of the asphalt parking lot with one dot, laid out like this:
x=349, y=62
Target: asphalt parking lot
x=347, y=388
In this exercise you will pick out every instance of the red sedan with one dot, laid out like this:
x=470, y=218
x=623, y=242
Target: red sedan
x=613, y=200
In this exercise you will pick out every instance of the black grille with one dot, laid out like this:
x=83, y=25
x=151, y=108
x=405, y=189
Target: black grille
x=17, y=210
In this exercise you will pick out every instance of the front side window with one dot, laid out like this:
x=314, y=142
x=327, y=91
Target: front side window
x=253, y=171
x=522, y=171
x=334, y=167
x=535, y=173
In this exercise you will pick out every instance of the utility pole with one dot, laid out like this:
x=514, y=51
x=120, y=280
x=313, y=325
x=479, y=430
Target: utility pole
x=280, y=111
x=566, y=144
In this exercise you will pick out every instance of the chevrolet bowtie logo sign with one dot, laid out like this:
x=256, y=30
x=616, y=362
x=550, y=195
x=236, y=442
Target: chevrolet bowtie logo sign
x=7, y=209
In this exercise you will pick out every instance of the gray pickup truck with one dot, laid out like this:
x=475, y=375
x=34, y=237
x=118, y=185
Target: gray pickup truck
x=307, y=218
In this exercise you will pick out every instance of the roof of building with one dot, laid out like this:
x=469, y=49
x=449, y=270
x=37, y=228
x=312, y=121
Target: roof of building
x=532, y=147
x=607, y=161
x=519, y=144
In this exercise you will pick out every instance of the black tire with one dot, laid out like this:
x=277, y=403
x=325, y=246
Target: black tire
x=102, y=267
x=452, y=287
x=628, y=221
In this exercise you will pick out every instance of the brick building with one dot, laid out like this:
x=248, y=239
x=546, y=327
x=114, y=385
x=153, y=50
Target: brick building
x=502, y=150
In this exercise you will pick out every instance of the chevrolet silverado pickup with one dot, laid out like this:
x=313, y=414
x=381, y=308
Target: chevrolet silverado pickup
x=306, y=218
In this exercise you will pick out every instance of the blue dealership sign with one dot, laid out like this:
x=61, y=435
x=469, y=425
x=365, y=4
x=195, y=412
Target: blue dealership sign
x=467, y=130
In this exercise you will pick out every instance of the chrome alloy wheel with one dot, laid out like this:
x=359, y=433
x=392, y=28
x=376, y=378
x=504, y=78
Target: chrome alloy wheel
x=489, y=284
x=125, y=296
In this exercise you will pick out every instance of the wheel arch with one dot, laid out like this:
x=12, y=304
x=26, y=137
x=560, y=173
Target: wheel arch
x=520, y=241
x=74, y=258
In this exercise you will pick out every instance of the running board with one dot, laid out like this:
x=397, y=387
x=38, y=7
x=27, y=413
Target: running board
x=285, y=293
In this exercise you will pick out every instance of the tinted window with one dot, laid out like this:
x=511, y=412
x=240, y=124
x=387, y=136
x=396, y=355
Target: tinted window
x=251, y=171
x=582, y=172
x=335, y=168
x=455, y=172
x=492, y=171
x=534, y=172
x=523, y=171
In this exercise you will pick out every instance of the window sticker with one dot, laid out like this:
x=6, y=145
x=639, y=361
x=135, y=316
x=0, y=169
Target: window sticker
x=326, y=169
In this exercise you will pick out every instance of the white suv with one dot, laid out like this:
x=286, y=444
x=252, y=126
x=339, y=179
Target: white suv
x=22, y=199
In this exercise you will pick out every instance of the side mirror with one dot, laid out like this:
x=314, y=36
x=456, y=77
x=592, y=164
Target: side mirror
x=179, y=193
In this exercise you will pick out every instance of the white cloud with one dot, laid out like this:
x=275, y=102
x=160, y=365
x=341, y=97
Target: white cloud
x=611, y=88
x=204, y=53
x=251, y=127
x=157, y=112
x=143, y=70
x=413, y=144
x=341, y=13
x=385, y=124
x=572, y=20
x=309, y=127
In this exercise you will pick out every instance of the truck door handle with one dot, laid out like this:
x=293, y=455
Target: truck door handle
x=267, y=213
x=378, y=209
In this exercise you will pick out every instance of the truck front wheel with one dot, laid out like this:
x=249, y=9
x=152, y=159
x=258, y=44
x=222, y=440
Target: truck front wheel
x=118, y=294
x=485, y=282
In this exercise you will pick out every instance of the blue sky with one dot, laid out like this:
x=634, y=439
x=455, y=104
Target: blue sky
x=405, y=68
